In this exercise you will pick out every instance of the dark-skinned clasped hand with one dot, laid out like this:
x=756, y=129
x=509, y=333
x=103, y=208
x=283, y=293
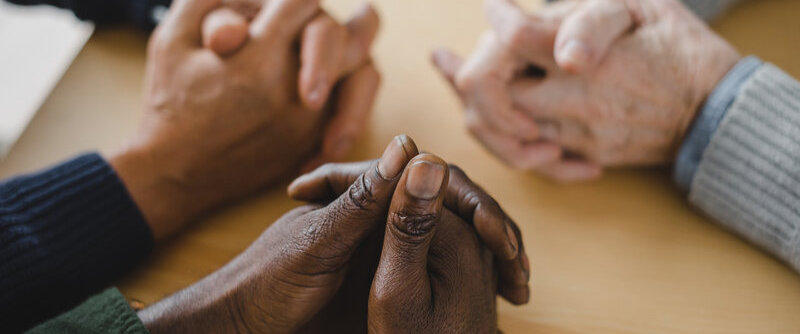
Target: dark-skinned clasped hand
x=434, y=275
x=464, y=198
x=313, y=269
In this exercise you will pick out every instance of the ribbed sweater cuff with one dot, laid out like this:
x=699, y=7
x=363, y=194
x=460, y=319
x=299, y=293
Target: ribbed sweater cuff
x=144, y=14
x=705, y=9
x=709, y=118
x=709, y=9
x=106, y=312
x=65, y=233
x=749, y=177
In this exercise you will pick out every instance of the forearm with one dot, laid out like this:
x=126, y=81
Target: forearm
x=65, y=233
x=161, y=195
x=212, y=305
x=747, y=176
x=192, y=310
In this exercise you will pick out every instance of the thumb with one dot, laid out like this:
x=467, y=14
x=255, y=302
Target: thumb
x=366, y=201
x=585, y=36
x=401, y=277
x=224, y=31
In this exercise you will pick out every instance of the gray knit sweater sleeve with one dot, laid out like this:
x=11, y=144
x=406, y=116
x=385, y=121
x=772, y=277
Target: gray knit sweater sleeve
x=749, y=176
x=705, y=9
x=709, y=9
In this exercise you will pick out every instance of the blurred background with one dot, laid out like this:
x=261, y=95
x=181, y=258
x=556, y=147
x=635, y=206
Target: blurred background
x=624, y=254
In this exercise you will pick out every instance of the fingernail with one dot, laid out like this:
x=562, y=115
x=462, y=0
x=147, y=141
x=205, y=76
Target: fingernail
x=425, y=179
x=392, y=160
x=574, y=52
x=512, y=239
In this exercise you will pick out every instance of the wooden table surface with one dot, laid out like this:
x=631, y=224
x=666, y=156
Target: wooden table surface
x=623, y=254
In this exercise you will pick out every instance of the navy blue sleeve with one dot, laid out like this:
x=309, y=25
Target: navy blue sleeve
x=144, y=14
x=65, y=234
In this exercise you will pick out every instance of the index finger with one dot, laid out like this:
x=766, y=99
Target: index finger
x=224, y=31
x=528, y=35
x=462, y=196
x=283, y=19
x=185, y=18
x=483, y=81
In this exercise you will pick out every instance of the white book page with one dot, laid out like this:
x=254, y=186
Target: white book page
x=37, y=45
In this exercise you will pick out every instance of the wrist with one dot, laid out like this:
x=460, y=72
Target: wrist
x=707, y=74
x=704, y=81
x=198, y=308
x=162, y=201
x=709, y=118
x=230, y=300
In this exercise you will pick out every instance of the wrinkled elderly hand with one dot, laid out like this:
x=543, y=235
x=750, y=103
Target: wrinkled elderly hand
x=598, y=83
x=312, y=269
x=216, y=129
x=335, y=71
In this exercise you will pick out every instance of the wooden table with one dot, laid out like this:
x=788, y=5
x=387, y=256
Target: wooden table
x=624, y=254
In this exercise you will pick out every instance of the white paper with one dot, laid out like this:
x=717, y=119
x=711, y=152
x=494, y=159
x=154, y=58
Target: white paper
x=37, y=45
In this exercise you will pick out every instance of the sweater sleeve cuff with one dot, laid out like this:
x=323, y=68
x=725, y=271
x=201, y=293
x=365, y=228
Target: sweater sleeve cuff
x=147, y=14
x=749, y=177
x=65, y=233
x=144, y=14
x=709, y=118
x=107, y=312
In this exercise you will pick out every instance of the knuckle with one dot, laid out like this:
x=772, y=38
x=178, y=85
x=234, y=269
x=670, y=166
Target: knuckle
x=519, y=34
x=361, y=195
x=327, y=168
x=466, y=81
x=412, y=226
x=324, y=22
x=315, y=253
x=472, y=198
x=385, y=296
x=370, y=73
x=329, y=27
x=376, y=75
x=456, y=171
x=159, y=44
x=473, y=123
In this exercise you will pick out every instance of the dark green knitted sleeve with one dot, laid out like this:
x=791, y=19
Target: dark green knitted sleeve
x=106, y=312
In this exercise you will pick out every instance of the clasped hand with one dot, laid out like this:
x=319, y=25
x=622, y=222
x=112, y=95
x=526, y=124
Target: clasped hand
x=403, y=242
x=399, y=245
x=232, y=105
x=583, y=85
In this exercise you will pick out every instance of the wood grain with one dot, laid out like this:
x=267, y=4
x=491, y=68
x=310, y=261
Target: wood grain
x=624, y=254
